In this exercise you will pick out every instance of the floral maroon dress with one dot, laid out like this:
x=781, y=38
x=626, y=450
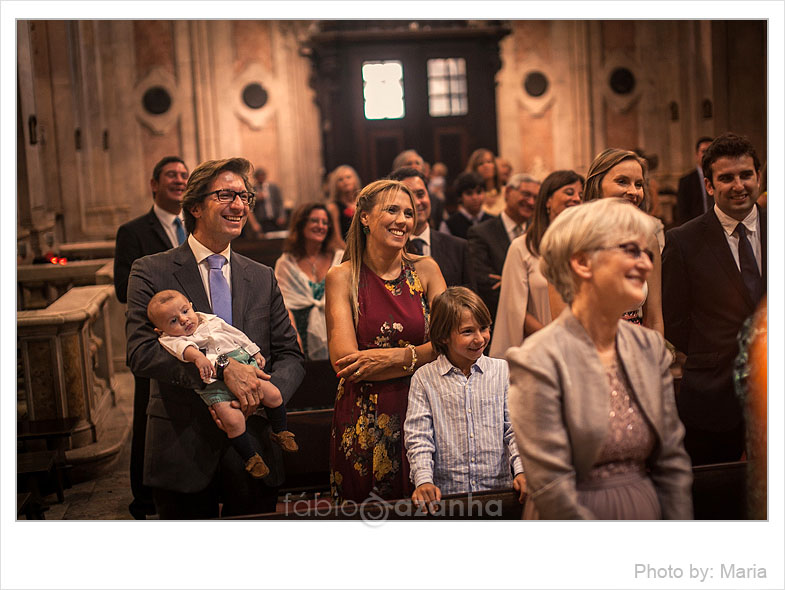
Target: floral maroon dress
x=366, y=447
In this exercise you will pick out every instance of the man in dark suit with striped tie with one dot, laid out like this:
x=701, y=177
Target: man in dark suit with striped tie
x=713, y=277
x=450, y=253
x=157, y=230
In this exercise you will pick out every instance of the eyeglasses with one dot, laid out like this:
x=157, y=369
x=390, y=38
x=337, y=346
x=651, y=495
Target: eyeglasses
x=226, y=195
x=632, y=250
x=318, y=221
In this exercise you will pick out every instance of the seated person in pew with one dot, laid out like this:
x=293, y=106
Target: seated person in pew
x=457, y=432
x=185, y=334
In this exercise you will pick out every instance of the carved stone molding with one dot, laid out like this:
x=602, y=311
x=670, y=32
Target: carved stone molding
x=620, y=103
x=161, y=123
x=255, y=72
x=536, y=106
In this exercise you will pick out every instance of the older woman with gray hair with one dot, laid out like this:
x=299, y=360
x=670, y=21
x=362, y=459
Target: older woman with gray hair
x=591, y=396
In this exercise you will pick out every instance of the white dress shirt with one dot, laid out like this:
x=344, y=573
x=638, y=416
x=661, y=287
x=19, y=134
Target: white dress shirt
x=509, y=226
x=753, y=234
x=167, y=221
x=201, y=252
x=213, y=336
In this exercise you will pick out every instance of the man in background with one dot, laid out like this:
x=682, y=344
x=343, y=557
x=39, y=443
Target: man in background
x=692, y=199
x=449, y=252
x=489, y=241
x=157, y=230
x=713, y=277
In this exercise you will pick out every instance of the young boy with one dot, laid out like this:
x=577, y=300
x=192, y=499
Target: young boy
x=457, y=431
x=185, y=333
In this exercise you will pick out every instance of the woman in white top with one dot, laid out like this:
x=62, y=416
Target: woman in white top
x=524, y=305
x=300, y=271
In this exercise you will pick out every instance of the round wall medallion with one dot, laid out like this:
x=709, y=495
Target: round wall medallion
x=622, y=81
x=156, y=100
x=254, y=95
x=536, y=84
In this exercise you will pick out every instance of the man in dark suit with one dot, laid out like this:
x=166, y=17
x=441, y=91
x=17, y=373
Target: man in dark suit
x=269, y=213
x=449, y=252
x=692, y=199
x=714, y=274
x=489, y=241
x=469, y=190
x=188, y=461
x=155, y=231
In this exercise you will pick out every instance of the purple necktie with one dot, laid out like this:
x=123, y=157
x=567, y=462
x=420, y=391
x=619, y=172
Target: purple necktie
x=219, y=289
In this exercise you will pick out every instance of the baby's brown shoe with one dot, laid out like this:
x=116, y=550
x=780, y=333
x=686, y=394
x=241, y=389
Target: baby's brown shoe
x=256, y=467
x=285, y=440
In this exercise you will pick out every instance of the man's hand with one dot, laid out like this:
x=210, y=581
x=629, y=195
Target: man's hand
x=245, y=382
x=519, y=485
x=427, y=496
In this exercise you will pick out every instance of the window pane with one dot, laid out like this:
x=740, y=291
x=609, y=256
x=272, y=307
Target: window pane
x=437, y=86
x=447, y=88
x=383, y=89
x=435, y=67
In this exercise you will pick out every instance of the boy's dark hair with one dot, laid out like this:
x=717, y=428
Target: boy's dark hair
x=446, y=312
x=467, y=181
x=728, y=145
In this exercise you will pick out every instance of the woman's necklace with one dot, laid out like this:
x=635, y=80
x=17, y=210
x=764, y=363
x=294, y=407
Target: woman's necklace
x=312, y=261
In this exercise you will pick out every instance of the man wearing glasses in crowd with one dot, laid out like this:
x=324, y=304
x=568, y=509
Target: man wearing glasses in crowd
x=188, y=462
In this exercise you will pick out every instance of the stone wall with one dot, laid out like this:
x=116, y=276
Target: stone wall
x=101, y=101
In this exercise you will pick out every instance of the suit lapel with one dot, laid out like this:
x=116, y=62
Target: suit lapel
x=639, y=384
x=718, y=244
x=764, y=235
x=501, y=238
x=158, y=230
x=187, y=275
x=435, y=244
x=240, y=290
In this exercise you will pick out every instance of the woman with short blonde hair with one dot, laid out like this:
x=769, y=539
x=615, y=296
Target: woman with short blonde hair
x=591, y=396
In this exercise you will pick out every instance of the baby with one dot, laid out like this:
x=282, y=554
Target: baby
x=200, y=338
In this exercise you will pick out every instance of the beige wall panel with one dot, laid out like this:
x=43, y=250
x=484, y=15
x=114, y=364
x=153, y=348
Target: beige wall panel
x=252, y=43
x=153, y=45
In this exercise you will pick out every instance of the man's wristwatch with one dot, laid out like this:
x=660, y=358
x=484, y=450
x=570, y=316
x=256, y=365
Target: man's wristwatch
x=221, y=362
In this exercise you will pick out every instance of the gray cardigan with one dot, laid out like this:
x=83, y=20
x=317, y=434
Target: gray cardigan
x=559, y=403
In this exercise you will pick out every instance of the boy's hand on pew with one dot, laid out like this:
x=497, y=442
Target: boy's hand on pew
x=519, y=485
x=427, y=496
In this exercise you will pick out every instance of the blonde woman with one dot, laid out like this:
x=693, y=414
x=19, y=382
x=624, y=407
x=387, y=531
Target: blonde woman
x=623, y=174
x=343, y=185
x=377, y=303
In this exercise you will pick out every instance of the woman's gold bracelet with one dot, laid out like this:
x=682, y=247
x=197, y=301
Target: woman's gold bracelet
x=410, y=368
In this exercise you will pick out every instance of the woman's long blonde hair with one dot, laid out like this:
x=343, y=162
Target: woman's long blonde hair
x=376, y=193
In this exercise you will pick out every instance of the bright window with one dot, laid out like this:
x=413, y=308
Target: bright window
x=383, y=89
x=447, y=94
